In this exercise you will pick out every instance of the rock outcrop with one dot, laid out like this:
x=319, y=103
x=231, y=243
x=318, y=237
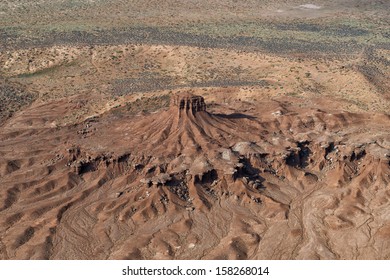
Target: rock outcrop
x=188, y=103
x=186, y=184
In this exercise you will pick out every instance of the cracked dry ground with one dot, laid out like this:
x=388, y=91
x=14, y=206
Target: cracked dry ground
x=273, y=182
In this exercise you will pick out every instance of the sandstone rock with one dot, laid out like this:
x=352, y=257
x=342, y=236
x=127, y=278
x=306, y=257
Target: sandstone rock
x=188, y=102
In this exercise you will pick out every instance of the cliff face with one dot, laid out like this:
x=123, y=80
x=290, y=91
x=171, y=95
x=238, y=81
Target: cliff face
x=188, y=103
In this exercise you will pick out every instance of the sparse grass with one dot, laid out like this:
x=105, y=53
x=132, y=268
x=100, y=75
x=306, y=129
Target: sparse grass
x=45, y=71
x=12, y=99
x=145, y=105
x=292, y=93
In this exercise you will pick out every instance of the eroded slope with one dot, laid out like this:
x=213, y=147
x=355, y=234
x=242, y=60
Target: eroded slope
x=275, y=182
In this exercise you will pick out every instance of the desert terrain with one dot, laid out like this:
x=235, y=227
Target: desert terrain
x=194, y=129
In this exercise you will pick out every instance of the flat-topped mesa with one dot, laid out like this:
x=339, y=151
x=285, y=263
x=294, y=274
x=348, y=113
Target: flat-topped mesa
x=188, y=102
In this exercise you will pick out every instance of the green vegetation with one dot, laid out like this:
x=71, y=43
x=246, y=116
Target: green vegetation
x=145, y=105
x=45, y=71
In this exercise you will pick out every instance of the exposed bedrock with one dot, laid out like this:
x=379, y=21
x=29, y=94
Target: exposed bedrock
x=190, y=184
